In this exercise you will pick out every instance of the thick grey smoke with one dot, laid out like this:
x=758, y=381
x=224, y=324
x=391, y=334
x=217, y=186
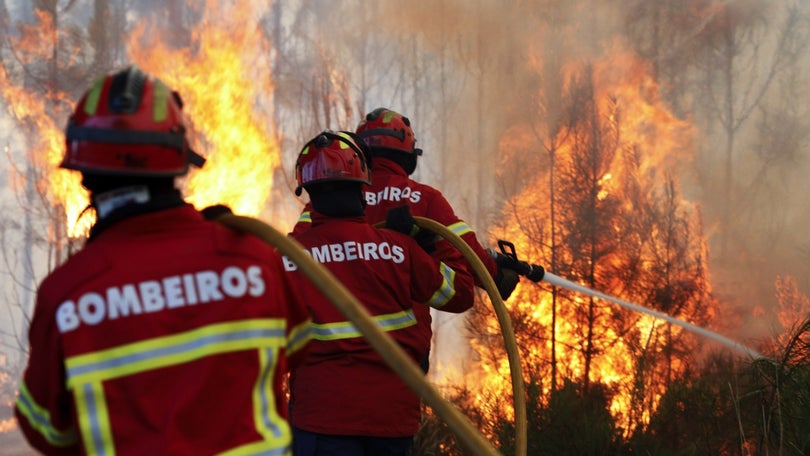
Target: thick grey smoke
x=734, y=69
x=471, y=73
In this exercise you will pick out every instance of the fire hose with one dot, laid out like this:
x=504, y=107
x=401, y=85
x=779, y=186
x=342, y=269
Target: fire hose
x=510, y=342
x=470, y=437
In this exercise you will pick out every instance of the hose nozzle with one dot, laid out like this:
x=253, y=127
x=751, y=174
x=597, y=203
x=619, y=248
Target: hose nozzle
x=532, y=272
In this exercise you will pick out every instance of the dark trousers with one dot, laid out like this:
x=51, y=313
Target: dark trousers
x=312, y=444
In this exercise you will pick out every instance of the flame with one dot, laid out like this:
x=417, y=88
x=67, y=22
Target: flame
x=8, y=425
x=45, y=139
x=221, y=80
x=224, y=80
x=794, y=307
x=648, y=144
x=8, y=394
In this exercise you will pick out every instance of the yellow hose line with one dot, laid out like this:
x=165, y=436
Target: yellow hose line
x=352, y=309
x=519, y=397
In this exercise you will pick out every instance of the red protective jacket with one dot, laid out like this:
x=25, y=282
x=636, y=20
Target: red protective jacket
x=166, y=334
x=391, y=187
x=343, y=387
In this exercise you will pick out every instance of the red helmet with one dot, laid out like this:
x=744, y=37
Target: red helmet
x=129, y=123
x=330, y=157
x=386, y=129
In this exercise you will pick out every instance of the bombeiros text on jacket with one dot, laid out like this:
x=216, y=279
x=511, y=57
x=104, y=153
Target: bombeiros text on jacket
x=94, y=307
x=394, y=194
x=351, y=251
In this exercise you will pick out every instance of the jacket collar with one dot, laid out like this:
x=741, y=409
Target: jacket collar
x=380, y=164
x=320, y=219
x=174, y=217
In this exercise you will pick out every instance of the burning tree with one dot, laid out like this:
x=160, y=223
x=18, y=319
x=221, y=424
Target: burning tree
x=33, y=84
x=601, y=206
x=45, y=64
x=588, y=168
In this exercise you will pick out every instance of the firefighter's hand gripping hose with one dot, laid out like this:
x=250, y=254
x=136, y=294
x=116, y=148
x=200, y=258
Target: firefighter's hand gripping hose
x=510, y=342
x=352, y=309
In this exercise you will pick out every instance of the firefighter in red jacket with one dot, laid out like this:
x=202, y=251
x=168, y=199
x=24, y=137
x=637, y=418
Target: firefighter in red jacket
x=167, y=333
x=392, y=143
x=345, y=400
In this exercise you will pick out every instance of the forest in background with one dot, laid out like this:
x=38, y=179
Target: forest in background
x=653, y=151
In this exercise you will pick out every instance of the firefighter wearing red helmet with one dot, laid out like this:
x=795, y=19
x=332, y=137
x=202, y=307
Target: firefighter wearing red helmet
x=167, y=333
x=393, y=194
x=345, y=400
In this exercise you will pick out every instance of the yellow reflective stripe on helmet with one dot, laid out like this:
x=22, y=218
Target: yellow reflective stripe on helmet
x=347, y=330
x=346, y=136
x=305, y=217
x=40, y=419
x=446, y=290
x=389, y=115
x=93, y=96
x=160, y=105
x=94, y=419
x=460, y=228
x=175, y=349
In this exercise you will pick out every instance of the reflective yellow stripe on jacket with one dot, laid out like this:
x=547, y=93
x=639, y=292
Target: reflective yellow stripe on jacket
x=40, y=419
x=87, y=372
x=446, y=290
x=305, y=217
x=347, y=330
x=460, y=228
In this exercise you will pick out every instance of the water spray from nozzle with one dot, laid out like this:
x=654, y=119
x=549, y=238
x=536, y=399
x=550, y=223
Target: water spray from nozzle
x=536, y=273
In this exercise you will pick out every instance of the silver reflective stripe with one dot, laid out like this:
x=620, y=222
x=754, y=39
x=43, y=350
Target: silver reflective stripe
x=347, y=330
x=40, y=419
x=446, y=290
x=460, y=228
x=175, y=349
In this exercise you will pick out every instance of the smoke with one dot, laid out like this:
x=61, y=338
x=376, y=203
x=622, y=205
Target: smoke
x=731, y=68
x=482, y=79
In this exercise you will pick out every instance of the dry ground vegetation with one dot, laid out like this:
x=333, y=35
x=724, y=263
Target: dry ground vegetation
x=724, y=407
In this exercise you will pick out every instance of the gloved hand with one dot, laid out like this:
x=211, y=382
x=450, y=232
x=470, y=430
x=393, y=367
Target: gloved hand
x=400, y=219
x=215, y=211
x=506, y=281
x=532, y=272
x=507, y=278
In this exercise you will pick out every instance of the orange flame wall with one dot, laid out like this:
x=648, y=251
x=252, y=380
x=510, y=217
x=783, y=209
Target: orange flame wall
x=627, y=144
x=223, y=76
x=45, y=139
x=224, y=80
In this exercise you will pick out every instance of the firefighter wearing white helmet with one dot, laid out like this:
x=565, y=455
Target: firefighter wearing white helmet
x=167, y=333
x=344, y=397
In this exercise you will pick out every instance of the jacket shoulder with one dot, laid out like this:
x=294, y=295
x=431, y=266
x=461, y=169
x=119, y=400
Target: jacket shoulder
x=228, y=241
x=83, y=266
